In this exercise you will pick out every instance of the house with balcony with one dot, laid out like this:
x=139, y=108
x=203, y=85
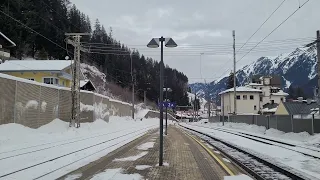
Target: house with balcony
x=55, y=72
x=5, y=45
x=271, y=95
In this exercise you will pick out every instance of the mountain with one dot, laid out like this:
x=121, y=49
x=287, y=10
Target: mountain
x=296, y=69
x=51, y=19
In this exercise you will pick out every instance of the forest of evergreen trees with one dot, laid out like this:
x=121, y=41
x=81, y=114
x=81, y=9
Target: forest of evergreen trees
x=53, y=18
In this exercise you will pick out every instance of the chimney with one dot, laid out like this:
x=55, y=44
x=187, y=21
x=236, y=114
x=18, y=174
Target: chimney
x=300, y=99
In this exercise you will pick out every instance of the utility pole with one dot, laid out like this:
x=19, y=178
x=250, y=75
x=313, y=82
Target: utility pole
x=234, y=74
x=145, y=98
x=75, y=88
x=132, y=81
x=318, y=62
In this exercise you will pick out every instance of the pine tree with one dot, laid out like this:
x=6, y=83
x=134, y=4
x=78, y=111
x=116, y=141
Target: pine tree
x=291, y=93
x=230, y=81
x=299, y=92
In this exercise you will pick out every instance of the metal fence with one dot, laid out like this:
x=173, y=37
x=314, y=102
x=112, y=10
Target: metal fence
x=35, y=104
x=285, y=123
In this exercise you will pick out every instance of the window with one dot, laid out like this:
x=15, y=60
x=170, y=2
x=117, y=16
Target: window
x=281, y=99
x=244, y=97
x=251, y=97
x=31, y=79
x=261, y=99
x=272, y=101
x=50, y=80
x=254, y=88
x=254, y=107
x=238, y=97
x=261, y=88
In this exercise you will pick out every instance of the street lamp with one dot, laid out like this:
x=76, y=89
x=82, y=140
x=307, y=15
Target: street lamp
x=167, y=100
x=154, y=43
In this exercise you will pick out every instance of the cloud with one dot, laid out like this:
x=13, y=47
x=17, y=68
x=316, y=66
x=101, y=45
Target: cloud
x=204, y=23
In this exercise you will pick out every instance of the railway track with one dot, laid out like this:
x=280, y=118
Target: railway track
x=259, y=167
x=109, y=143
x=307, y=151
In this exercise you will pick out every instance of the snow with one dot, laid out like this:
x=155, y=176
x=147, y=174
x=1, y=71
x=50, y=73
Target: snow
x=269, y=110
x=132, y=158
x=241, y=89
x=280, y=93
x=35, y=65
x=146, y=146
x=201, y=100
x=288, y=83
x=21, y=147
x=255, y=84
x=226, y=160
x=142, y=167
x=32, y=104
x=43, y=106
x=116, y=174
x=73, y=176
x=86, y=108
x=238, y=177
x=294, y=160
x=83, y=82
x=165, y=164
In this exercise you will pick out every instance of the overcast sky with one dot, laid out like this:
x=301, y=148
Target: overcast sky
x=205, y=26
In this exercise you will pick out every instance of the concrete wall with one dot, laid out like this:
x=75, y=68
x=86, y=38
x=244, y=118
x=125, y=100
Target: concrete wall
x=283, y=123
x=35, y=104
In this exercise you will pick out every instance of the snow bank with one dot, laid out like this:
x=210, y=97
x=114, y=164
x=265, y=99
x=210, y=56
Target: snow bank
x=302, y=137
x=57, y=139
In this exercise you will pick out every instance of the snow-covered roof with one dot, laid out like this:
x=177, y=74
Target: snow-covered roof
x=269, y=110
x=255, y=84
x=34, y=65
x=241, y=89
x=9, y=40
x=280, y=93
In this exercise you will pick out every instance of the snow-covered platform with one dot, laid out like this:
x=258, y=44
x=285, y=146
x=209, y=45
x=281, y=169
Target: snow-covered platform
x=184, y=158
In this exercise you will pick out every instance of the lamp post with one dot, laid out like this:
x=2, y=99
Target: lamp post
x=154, y=43
x=167, y=89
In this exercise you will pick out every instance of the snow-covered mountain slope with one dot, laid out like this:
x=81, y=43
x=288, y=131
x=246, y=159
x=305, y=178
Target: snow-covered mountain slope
x=201, y=99
x=297, y=68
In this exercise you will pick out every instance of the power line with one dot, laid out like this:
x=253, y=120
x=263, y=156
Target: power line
x=86, y=44
x=267, y=36
x=274, y=30
x=32, y=30
x=261, y=25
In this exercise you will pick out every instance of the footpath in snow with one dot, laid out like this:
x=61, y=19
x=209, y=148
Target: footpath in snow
x=295, y=160
x=56, y=149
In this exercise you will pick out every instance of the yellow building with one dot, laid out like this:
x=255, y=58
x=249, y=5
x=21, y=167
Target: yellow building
x=56, y=72
x=297, y=107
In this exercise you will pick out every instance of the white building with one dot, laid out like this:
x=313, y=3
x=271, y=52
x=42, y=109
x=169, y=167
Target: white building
x=270, y=94
x=247, y=100
x=258, y=97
